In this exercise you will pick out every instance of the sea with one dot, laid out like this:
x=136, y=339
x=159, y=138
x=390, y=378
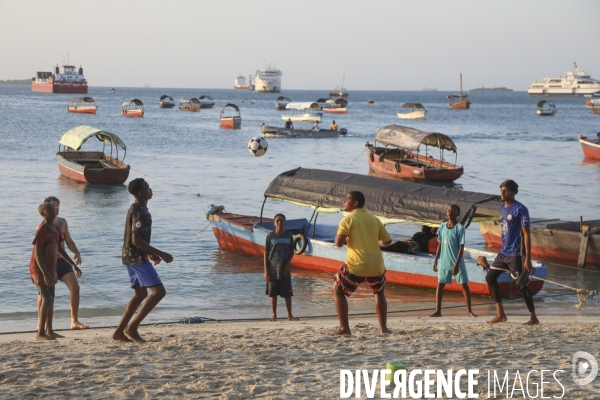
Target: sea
x=191, y=163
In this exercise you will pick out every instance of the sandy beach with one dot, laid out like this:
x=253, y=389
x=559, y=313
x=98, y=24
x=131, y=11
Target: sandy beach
x=284, y=360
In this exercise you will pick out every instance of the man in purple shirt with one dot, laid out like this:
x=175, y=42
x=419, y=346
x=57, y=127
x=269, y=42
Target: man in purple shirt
x=515, y=255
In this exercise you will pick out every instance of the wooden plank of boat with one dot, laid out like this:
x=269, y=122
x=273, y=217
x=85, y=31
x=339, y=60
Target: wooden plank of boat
x=277, y=132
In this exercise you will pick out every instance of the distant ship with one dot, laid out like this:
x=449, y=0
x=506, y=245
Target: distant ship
x=240, y=83
x=64, y=80
x=268, y=80
x=492, y=89
x=578, y=84
x=428, y=90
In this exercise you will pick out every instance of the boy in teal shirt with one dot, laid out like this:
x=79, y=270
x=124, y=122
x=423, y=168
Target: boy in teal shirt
x=451, y=236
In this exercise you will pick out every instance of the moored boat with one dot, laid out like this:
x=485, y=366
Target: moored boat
x=304, y=112
x=391, y=201
x=240, y=83
x=191, y=105
x=268, y=80
x=282, y=102
x=590, y=147
x=459, y=101
x=82, y=105
x=403, y=159
x=133, y=108
x=64, y=79
x=591, y=103
x=230, y=121
x=166, y=102
x=545, y=108
x=417, y=111
x=92, y=166
x=578, y=84
x=277, y=132
x=206, y=101
x=335, y=106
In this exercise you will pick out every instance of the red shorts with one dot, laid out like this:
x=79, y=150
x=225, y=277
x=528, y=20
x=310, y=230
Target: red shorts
x=349, y=282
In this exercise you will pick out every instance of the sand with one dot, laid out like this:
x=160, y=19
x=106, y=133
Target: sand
x=284, y=360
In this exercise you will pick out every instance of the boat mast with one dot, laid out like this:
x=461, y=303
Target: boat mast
x=461, y=86
x=342, y=87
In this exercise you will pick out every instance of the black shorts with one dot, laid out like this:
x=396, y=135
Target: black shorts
x=62, y=268
x=46, y=291
x=513, y=264
x=281, y=287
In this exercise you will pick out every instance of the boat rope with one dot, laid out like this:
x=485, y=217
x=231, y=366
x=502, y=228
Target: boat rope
x=361, y=153
x=197, y=233
x=166, y=183
x=583, y=294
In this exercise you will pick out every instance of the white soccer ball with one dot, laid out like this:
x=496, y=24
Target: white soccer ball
x=257, y=146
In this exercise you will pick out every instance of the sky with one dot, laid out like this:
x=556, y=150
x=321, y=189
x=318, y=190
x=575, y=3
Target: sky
x=377, y=45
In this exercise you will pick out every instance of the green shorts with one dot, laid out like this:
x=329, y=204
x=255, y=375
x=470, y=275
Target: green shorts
x=445, y=276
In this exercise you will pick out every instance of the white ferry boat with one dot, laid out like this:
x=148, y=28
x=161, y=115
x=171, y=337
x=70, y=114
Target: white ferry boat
x=268, y=80
x=578, y=84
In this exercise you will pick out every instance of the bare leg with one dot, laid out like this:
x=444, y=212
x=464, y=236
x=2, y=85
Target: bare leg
x=71, y=281
x=288, y=305
x=381, y=308
x=500, y=316
x=341, y=307
x=467, y=296
x=39, y=308
x=273, y=309
x=139, y=295
x=439, y=294
x=532, y=319
x=158, y=292
x=49, y=331
x=42, y=319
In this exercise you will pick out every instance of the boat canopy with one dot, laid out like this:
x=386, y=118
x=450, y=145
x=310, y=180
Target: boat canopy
x=303, y=106
x=541, y=104
x=413, y=105
x=164, y=96
x=81, y=100
x=283, y=98
x=206, y=98
x=134, y=102
x=193, y=100
x=76, y=137
x=389, y=199
x=236, y=108
x=410, y=138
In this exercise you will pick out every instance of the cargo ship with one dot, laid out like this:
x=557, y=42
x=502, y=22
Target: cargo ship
x=64, y=79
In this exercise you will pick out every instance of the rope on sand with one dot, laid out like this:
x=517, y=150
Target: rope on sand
x=166, y=183
x=583, y=294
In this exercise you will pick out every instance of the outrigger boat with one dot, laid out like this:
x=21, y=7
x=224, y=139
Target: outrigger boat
x=91, y=166
x=282, y=102
x=459, y=101
x=231, y=121
x=277, y=132
x=590, y=147
x=82, y=105
x=545, y=108
x=207, y=101
x=417, y=111
x=166, y=102
x=133, y=108
x=391, y=201
x=191, y=105
x=305, y=112
x=403, y=159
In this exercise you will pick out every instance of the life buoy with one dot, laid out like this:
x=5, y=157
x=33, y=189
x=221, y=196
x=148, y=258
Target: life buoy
x=303, y=243
x=381, y=157
x=372, y=156
x=397, y=166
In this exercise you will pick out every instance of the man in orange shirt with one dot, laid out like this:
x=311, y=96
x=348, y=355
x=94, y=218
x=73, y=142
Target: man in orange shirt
x=363, y=233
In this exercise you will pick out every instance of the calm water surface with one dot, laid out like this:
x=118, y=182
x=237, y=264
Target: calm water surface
x=500, y=137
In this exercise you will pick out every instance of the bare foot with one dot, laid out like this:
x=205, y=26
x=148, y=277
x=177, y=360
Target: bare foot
x=385, y=331
x=436, y=314
x=292, y=318
x=54, y=335
x=497, y=319
x=78, y=325
x=120, y=337
x=471, y=314
x=273, y=318
x=339, y=332
x=134, y=335
x=532, y=321
x=43, y=336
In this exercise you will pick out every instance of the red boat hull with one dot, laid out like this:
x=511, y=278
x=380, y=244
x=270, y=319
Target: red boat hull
x=231, y=122
x=132, y=113
x=82, y=110
x=596, y=110
x=591, y=148
x=461, y=105
x=341, y=110
x=117, y=174
x=59, y=87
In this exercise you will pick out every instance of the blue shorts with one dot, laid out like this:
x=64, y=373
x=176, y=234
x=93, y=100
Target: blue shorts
x=143, y=275
x=445, y=276
x=62, y=267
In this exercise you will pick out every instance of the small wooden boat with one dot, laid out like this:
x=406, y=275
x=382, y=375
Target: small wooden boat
x=590, y=147
x=231, y=121
x=166, y=102
x=82, y=105
x=546, y=108
x=133, y=108
x=370, y=101
x=596, y=109
x=191, y=105
x=304, y=112
x=111, y=91
x=417, y=111
x=459, y=101
x=335, y=106
x=207, y=101
x=392, y=201
x=277, y=132
x=91, y=166
x=403, y=159
x=282, y=102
